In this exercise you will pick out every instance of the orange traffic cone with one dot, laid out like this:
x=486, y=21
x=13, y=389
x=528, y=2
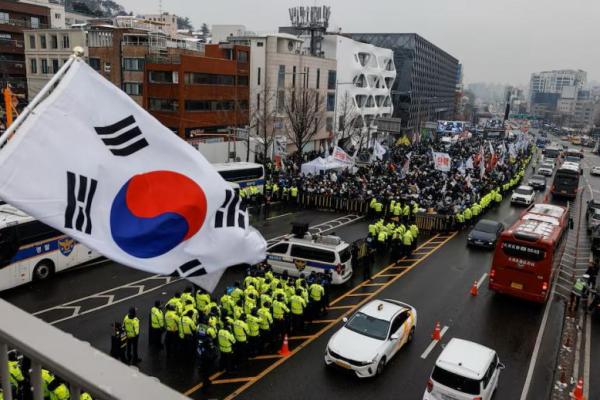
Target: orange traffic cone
x=474, y=289
x=577, y=393
x=436, y=332
x=285, y=350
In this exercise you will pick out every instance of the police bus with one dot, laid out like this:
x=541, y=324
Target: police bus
x=242, y=174
x=566, y=180
x=31, y=250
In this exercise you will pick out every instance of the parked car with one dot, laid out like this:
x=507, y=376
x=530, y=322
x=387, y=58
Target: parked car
x=537, y=182
x=546, y=170
x=592, y=214
x=485, y=234
x=523, y=195
x=464, y=371
x=595, y=171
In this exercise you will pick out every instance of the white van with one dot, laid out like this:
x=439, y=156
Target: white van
x=464, y=370
x=308, y=253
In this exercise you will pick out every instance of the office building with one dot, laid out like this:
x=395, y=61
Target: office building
x=546, y=88
x=426, y=80
x=14, y=19
x=279, y=64
x=46, y=50
x=200, y=96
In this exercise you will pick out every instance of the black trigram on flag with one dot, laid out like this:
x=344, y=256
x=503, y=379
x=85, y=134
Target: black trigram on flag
x=122, y=138
x=189, y=269
x=232, y=212
x=80, y=194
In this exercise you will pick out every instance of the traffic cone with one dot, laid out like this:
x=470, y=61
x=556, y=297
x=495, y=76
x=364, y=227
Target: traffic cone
x=577, y=393
x=474, y=289
x=436, y=332
x=285, y=350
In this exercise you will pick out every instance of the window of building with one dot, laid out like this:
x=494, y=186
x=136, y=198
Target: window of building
x=33, y=66
x=329, y=124
x=294, y=76
x=163, y=77
x=331, y=78
x=242, y=80
x=133, y=64
x=32, y=41
x=198, y=78
x=281, y=76
x=4, y=17
x=132, y=88
x=209, y=105
x=57, y=15
x=306, y=76
x=318, y=78
x=259, y=44
x=44, y=66
x=242, y=56
x=330, y=101
x=243, y=105
x=65, y=42
x=280, y=100
x=163, y=105
x=53, y=42
x=94, y=63
x=5, y=37
x=55, y=66
x=258, y=77
x=257, y=101
x=43, y=41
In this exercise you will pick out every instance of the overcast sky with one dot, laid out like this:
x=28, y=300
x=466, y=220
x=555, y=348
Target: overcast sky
x=497, y=41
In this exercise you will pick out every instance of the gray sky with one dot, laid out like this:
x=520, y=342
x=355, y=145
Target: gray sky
x=499, y=41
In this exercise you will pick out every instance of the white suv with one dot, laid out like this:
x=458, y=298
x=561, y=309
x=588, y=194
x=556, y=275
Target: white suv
x=524, y=195
x=464, y=371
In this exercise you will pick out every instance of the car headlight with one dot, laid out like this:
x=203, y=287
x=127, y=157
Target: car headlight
x=365, y=363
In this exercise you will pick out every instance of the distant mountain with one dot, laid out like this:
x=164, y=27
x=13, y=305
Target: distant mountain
x=98, y=8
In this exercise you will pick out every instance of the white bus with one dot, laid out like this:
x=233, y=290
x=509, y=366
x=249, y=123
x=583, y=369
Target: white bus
x=242, y=174
x=31, y=250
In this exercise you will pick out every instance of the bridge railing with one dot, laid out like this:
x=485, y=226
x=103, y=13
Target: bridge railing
x=76, y=362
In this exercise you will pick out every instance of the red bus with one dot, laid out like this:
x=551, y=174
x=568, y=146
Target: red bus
x=529, y=252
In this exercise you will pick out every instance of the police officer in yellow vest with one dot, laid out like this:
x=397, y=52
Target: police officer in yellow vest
x=15, y=374
x=382, y=239
x=316, y=293
x=172, y=321
x=240, y=332
x=297, y=306
x=280, y=312
x=407, y=241
x=226, y=341
x=131, y=324
x=253, y=322
x=294, y=194
x=187, y=333
x=157, y=325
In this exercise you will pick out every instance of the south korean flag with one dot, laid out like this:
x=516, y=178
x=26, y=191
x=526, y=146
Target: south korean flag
x=90, y=162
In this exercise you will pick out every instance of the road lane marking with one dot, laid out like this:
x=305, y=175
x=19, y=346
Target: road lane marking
x=328, y=327
x=481, y=280
x=232, y=380
x=279, y=216
x=321, y=321
x=433, y=343
x=266, y=357
x=359, y=294
x=339, y=307
x=300, y=337
x=213, y=377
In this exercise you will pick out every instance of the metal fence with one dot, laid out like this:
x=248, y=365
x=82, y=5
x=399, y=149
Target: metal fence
x=77, y=363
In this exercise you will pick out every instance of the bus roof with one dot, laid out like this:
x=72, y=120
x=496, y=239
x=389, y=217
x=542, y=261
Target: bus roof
x=569, y=167
x=542, y=221
x=235, y=165
x=10, y=215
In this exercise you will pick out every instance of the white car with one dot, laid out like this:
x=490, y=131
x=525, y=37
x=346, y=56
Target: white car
x=524, y=195
x=371, y=337
x=545, y=170
x=464, y=371
x=595, y=171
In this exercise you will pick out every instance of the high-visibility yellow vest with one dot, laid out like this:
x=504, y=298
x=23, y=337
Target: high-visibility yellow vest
x=253, y=325
x=297, y=304
x=172, y=321
x=131, y=326
x=316, y=292
x=157, y=318
x=240, y=330
x=279, y=309
x=226, y=341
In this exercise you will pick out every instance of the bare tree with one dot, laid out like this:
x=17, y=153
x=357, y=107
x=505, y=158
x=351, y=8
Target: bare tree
x=304, y=111
x=262, y=120
x=349, y=123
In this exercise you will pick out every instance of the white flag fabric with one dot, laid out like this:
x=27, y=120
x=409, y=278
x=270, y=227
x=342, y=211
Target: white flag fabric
x=378, y=151
x=93, y=164
x=491, y=148
x=340, y=155
x=469, y=163
x=442, y=161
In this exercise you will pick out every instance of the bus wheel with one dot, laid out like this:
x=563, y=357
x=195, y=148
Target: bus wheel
x=43, y=270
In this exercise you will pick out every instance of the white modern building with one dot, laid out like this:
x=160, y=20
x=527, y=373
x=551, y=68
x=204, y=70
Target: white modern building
x=365, y=76
x=165, y=22
x=554, y=82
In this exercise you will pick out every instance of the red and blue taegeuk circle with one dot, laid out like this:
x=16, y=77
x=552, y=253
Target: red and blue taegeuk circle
x=156, y=211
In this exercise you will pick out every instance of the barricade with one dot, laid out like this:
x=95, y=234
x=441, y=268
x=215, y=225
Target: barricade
x=433, y=222
x=332, y=202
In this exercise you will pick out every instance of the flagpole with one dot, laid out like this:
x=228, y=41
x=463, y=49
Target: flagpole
x=77, y=54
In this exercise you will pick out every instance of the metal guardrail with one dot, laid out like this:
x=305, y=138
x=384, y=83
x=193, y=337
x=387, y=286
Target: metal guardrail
x=75, y=361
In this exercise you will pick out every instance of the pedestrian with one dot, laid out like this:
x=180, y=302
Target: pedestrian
x=172, y=321
x=280, y=312
x=157, y=325
x=240, y=332
x=58, y=390
x=187, y=331
x=316, y=292
x=579, y=291
x=131, y=324
x=226, y=342
x=297, y=306
x=118, y=342
x=266, y=321
x=592, y=271
x=253, y=322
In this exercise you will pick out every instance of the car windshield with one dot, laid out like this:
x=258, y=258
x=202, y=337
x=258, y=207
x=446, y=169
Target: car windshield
x=368, y=326
x=596, y=216
x=523, y=191
x=456, y=382
x=487, y=227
